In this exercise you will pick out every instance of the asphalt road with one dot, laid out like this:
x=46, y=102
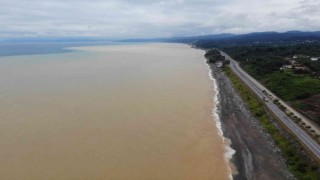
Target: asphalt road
x=258, y=88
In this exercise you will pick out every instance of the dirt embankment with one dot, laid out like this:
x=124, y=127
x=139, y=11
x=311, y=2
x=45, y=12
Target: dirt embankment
x=256, y=156
x=313, y=109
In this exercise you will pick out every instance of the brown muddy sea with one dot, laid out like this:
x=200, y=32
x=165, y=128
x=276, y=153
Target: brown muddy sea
x=137, y=112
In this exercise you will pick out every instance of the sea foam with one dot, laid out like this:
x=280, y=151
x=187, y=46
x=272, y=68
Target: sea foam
x=228, y=151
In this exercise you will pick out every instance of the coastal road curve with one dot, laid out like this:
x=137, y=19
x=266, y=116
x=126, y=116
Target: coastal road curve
x=258, y=88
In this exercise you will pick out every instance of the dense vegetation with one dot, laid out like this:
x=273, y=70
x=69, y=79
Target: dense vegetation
x=214, y=56
x=265, y=63
x=268, y=58
x=301, y=167
x=268, y=38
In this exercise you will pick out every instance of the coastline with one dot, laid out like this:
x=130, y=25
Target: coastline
x=229, y=152
x=246, y=134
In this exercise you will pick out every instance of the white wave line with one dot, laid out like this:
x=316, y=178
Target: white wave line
x=229, y=152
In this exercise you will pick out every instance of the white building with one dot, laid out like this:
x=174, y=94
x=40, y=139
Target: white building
x=293, y=62
x=314, y=59
x=219, y=64
x=287, y=66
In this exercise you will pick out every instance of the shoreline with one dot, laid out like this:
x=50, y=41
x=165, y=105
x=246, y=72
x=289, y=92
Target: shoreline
x=229, y=152
x=246, y=134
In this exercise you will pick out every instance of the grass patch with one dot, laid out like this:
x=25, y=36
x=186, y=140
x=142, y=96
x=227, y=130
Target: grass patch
x=296, y=163
x=289, y=86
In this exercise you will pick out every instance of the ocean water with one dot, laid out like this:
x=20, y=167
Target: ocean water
x=110, y=112
x=33, y=48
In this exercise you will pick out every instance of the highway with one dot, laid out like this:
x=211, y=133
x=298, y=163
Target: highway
x=258, y=88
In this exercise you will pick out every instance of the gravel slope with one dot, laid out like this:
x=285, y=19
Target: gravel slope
x=256, y=156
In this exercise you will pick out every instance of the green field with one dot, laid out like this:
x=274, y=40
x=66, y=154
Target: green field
x=290, y=86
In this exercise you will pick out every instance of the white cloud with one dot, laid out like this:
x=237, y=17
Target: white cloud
x=158, y=18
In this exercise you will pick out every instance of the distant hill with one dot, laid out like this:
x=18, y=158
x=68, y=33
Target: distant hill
x=243, y=39
x=258, y=38
x=194, y=39
x=191, y=39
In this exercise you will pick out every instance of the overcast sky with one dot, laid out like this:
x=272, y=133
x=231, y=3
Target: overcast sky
x=153, y=18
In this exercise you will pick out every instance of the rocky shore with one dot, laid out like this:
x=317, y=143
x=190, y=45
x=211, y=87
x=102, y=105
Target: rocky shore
x=256, y=156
